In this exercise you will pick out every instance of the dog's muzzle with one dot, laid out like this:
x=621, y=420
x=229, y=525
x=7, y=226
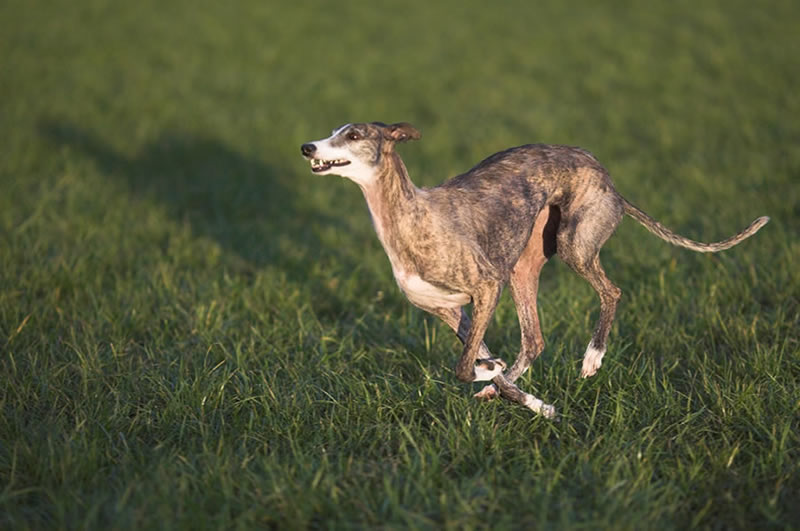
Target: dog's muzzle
x=318, y=165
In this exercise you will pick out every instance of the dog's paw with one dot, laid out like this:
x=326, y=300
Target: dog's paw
x=537, y=406
x=488, y=368
x=487, y=393
x=592, y=361
x=589, y=368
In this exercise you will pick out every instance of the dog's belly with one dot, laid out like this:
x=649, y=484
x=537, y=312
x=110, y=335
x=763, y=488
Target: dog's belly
x=426, y=295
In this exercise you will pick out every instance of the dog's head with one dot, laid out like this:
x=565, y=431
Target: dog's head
x=357, y=151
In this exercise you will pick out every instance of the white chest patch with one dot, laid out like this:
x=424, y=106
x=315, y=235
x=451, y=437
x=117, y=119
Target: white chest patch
x=426, y=294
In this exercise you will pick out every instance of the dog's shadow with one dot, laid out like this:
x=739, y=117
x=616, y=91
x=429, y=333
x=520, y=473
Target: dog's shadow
x=241, y=203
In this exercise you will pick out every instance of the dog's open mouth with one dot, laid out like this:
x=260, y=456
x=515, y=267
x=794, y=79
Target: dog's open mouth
x=318, y=165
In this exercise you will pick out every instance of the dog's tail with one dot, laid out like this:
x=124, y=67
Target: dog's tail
x=676, y=239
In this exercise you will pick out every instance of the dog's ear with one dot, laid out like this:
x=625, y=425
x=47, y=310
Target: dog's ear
x=401, y=132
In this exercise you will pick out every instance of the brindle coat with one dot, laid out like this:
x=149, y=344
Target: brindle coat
x=497, y=223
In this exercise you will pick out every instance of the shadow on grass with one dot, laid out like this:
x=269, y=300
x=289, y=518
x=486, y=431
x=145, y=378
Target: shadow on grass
x=241, y=203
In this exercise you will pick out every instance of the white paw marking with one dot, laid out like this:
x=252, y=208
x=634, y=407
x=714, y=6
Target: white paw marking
x=537, y=406
x=487, y=369
x=592, y=361
x=487, y=393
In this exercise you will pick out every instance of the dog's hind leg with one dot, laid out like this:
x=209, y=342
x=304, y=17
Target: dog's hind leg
x=581, y=235
x=524, y=290
x=609, y=297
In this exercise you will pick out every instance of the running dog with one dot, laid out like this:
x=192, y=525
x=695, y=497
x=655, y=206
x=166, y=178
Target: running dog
x=498, y=223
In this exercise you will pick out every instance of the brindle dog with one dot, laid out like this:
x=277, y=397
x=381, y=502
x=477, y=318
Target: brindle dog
x=498, y=223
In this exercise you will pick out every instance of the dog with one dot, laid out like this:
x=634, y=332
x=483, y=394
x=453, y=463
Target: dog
x=461, y=242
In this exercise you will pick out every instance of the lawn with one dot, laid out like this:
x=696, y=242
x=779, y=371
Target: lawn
x=196, y=332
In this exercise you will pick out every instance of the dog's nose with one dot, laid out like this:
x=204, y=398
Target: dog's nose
x=308, y=149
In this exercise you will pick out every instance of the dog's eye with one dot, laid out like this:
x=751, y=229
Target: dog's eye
x=352, y=135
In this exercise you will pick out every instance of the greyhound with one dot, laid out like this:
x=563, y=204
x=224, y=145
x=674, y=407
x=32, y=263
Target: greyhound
x=498, y=223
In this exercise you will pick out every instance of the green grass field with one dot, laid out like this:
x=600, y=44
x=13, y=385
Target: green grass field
x=196, y=332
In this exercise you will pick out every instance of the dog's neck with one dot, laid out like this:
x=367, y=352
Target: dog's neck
x=391, y=179
x=389, y=194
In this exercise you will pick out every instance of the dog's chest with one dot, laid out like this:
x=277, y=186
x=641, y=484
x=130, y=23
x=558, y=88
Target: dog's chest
x=427, y=295
x=418, y=291
x=398, y=244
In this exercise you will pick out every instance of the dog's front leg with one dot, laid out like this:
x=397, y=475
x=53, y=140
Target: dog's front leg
x=483, y=308
x=483, y=305
x=459, y=322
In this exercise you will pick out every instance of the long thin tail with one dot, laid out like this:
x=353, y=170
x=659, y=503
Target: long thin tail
x=676, y=239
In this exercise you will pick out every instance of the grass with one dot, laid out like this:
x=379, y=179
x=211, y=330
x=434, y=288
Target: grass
x=197, y=333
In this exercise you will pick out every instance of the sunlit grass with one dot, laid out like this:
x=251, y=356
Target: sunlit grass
x=195, y=332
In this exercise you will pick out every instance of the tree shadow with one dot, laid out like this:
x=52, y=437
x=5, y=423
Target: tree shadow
x=241, y=203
